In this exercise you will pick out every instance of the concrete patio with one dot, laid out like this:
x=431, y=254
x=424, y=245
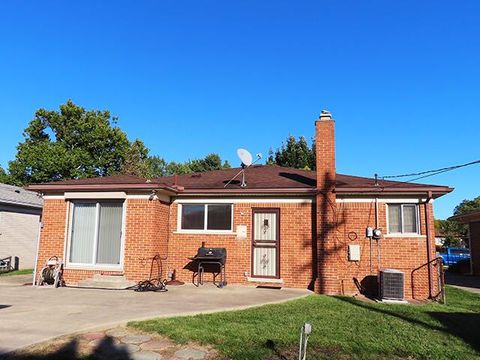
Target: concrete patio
x=31, y=315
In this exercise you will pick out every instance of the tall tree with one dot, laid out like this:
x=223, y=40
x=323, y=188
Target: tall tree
x=70, y=143
x=454, y=232
x=467, y=205
x=294, y=153
x=208, y=163
x=4, y=178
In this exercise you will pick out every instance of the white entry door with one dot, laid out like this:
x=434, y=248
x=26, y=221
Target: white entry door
x=265, y=243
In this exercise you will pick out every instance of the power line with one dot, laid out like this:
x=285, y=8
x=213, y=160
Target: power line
x=433, y=172
x=424, y=174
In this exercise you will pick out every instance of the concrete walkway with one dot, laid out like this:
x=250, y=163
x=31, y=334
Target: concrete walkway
x=31, y=315
x=464, y=282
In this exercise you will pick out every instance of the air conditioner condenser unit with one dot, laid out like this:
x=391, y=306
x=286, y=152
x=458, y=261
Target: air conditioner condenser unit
x=392, y=285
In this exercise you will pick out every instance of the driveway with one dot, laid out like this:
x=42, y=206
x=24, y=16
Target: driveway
x=30, y=315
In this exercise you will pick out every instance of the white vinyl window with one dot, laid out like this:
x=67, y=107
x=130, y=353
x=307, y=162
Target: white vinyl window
x=403, y=219
x=96, y=233
x=206, y=217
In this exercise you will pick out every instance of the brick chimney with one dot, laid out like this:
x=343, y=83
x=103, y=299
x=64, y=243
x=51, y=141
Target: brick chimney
x=327, y=250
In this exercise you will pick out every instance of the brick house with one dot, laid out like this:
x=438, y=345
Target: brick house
x=287, y=227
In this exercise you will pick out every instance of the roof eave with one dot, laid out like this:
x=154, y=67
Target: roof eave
x=436, y=191
x=46, y=188
x=246, y=191
x=21, y=204
x=473, y=216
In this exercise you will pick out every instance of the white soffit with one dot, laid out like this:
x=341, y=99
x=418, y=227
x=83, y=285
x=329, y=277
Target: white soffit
x=383, y=200
x=241, y=200
x=96, y=195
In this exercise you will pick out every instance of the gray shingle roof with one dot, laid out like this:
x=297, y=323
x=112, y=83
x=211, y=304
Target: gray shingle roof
x=15, y=195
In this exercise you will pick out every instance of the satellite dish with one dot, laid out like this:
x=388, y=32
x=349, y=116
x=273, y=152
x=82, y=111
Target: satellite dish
x=247, y=160
x=245, y=157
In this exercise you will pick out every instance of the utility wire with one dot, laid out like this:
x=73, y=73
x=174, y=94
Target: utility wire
x=431, y=171
x=424, y=174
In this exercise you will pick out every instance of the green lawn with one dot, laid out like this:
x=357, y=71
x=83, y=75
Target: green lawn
x=343, y=328
x=17, y=272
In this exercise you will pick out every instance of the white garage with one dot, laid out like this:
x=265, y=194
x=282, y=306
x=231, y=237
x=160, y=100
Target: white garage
x=20, y=215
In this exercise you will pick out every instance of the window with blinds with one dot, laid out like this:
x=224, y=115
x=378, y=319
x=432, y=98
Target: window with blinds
x=403, y=219
x=96, y=232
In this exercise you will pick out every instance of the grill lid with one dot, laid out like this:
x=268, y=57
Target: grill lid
x=205, y=253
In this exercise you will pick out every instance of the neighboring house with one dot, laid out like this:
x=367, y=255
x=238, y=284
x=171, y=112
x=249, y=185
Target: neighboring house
x=20, y=212
x=287, y=227
x=472, y=219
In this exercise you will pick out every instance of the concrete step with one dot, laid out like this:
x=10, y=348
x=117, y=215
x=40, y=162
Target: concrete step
x=107, y=282
x=110, y=278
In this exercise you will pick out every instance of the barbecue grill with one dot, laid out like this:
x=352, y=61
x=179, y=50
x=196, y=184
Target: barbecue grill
x=212, y=257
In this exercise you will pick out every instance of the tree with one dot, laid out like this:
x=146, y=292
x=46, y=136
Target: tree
x=156, y=167
x=72, y=143
x=453, y=232
x=466, y=206
x=4, y=178
x=136, y=160
x=75, y=143
x=208, y=163
x=294, y=153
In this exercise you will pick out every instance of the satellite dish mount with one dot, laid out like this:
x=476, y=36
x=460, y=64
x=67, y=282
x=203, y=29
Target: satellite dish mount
x=246, y=161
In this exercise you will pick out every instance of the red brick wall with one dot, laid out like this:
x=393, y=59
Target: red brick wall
x=407, y=254
x=295, y=245
x=146, y=234
x=151, y=229
x=52, y=233
x=475, y=246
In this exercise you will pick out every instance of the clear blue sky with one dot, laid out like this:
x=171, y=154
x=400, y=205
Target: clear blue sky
x=402, y=78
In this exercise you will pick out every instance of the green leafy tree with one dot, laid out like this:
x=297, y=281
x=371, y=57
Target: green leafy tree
x=208, y=163
x=75, y=143
x=136, y=160
x=156, y=167
x=72, y=143
x=467, y=205
x=453, y=232
x=4, y=178
x=294, y=153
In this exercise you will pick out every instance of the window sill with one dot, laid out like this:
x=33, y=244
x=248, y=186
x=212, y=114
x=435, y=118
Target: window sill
x=400, y=235
x=206, y=232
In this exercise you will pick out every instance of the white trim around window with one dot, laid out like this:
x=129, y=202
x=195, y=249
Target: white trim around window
x=205, y=220
x=403, y=233
x=93, y=265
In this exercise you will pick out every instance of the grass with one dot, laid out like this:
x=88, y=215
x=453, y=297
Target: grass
x=343, y=328
x=17, y=272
